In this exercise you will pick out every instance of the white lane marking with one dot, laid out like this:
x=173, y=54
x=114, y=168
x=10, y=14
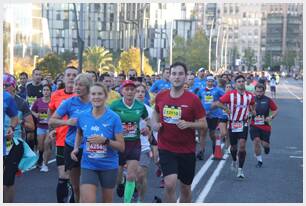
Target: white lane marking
x=297, y=157
x=299, y=98
x=201, y=172
x=211, y=181
x=34, y=167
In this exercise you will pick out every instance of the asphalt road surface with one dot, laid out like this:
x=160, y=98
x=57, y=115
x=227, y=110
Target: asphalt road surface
x=280, y=180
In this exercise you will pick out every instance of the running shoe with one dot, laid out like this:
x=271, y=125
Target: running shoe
x=44, y=168
x=240, y=173
x=234, y=166
x=200, y=155
x=120, y=190
x=259, y=164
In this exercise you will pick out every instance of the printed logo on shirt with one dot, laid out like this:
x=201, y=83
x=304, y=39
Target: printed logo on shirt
x=129, y=129
x=95, y=128
x=259, y=120
x=96, y=150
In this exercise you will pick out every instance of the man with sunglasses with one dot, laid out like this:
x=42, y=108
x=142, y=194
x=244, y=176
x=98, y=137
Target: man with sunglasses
x=240, y=102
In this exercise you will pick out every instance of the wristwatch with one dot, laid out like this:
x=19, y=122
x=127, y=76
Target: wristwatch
x=106, y=142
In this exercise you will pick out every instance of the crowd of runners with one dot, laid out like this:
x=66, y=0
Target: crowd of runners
x=106, y=130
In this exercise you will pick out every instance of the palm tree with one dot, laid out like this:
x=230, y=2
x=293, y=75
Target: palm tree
x=98, y=59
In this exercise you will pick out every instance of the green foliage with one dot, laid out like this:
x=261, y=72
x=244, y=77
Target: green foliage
x=98, y=59
x=193, y=52
x=131, y=59
x=249, y=57
x=67, y=56
x=51, y=63
x=289, y=58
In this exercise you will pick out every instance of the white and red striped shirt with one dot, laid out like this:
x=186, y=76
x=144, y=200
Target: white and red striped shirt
x=239, y=104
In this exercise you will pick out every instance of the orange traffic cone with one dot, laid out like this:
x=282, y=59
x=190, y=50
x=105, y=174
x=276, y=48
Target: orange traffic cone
x=218, y=151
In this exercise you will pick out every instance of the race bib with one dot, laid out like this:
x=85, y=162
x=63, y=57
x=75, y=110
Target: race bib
x=172, y=114
x=129, y=129
x=43, y=118
x=9, y=145
x=209, y=98
x=237, y=126
x=259, y=120
x=96, y=150
x=31, y=100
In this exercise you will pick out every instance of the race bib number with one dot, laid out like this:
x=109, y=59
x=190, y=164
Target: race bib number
x=209, y=98
x=237, y=126
x=43, y=118
x=9, y=145
x=96, y=150
x=172, y=114
x=31, y=100
x=259, y=120
x=129, y=129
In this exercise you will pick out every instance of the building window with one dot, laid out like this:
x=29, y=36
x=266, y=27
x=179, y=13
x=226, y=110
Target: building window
x=225, y=10
x=58, y=16
x=237, y=9
x=244, y=15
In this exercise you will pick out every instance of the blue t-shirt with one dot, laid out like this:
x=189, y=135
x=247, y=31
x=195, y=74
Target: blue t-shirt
x=9, y=109
x=160, y=85
x=72, y=107
x=98, y=156
x=208, y=96
x=201, y=82
x=195, y=88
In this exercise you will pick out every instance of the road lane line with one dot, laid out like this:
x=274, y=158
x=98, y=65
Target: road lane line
x=297, y=157
x=201, y=172
x=211, y=180
x=34, y=167
x=299, y=98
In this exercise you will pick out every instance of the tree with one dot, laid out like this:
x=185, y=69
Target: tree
x=249, y=57
x=289, y=58
x=193, y=52
x=131, y=59
x=98, y=59
x=23, y=65
x=51, y=63
x=67, y=56
x=267, y=61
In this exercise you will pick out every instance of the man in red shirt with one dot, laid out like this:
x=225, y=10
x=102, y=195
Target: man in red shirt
x=63, y=185
x=177, y=114
x=260, y=128
x=240, y=103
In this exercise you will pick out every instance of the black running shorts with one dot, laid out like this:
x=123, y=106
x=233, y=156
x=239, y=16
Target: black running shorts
x=212, y=123
x=263, y=135
x=70, y=163
x=181, y=164
x=235, y=136
x=132, y=152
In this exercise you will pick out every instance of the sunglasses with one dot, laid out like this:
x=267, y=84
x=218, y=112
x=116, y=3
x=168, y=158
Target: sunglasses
x=7, y=85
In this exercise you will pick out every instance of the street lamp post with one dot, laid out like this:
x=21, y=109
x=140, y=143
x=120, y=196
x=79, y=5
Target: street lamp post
x=79, y=37
x=209, y=52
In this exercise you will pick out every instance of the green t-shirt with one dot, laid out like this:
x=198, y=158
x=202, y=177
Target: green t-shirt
x=130, y=117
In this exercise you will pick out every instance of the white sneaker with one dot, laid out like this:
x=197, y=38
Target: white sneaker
x=44, y=168
x=234, y=166
x=240, y=173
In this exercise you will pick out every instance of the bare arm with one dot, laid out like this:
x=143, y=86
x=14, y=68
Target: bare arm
x=198, y=124
x=56, y=121
x=28, y=123
x=156, y=125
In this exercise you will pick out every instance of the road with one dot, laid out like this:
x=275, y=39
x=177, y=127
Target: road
x=279, y=180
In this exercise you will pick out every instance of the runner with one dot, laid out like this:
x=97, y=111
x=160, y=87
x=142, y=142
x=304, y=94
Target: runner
x=176, y=116
x=100, y=132
x=273, y=86
x=15, y=111
x=146, y=153
x=72, y=107
x=163, y=83
x=260, y=128
x=40, y=112
x=130, y=111
x=240, y=102
x=64, y=192
x=208, y=95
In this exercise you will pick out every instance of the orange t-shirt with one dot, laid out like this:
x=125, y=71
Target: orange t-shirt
x=56, y=99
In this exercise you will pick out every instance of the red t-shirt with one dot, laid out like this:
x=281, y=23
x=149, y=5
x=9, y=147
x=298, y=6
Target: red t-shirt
x=186, y=107
x=265, y=127
x=56, y=99
x=238, y=104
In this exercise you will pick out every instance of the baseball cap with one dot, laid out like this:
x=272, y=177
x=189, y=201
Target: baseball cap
x=126, y=83
x=9, y=80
